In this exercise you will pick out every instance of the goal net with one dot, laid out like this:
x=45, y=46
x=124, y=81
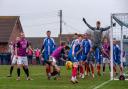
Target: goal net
x=120, y=33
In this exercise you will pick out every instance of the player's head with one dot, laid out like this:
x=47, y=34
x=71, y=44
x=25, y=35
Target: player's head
x=22, y=35
x=105, y=40
x=98, y=24
x=17, y=39
x=67, y=47
x=75, y=35
x=80, y=37
x=85, y=35
x=114, y=41
x=63, y=43
x=48, y=33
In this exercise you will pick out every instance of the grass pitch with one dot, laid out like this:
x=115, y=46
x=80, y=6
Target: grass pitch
x=40, y=80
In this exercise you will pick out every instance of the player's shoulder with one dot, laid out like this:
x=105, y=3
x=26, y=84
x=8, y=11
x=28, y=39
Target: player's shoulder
x=117, y=46
x=45, y=38
x=52, y=38
x=76, y=40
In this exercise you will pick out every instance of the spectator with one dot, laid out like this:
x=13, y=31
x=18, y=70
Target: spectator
x=30, y=54
x=37, y=55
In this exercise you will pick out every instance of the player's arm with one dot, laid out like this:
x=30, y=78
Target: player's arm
x=104, y=52
x=92, y=28
x=42, y=48
x=16, y=53
x=16, y=49
x=107, y=28
x=81, y=48
x=118, y=49
x=73, y=49
x=27, y=47
x=54, y=45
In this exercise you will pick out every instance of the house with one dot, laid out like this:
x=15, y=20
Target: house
x=10, y=27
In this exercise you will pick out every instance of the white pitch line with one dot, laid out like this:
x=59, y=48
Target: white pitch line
x=102, y=84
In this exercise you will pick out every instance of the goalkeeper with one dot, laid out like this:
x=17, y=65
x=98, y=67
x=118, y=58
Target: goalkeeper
x=97, y=47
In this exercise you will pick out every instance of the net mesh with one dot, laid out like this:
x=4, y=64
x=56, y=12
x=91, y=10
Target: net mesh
x=121, y=19
x=120, y=32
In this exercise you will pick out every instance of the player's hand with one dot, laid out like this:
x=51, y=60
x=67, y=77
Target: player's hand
x=114, y=24
x=84, y=20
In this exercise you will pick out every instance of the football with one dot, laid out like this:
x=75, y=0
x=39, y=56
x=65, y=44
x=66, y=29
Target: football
x=68, y=65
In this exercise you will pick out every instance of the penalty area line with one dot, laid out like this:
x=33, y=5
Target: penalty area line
x=102, y=84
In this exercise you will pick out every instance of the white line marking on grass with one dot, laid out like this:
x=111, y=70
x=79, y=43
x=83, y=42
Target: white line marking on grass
x=102, y=84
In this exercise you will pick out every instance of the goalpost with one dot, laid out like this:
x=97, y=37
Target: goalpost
x=121, y=29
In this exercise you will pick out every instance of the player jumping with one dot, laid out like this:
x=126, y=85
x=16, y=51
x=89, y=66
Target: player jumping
x=97, y=47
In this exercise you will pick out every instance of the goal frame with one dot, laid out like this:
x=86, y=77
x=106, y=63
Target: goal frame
x=111, y=42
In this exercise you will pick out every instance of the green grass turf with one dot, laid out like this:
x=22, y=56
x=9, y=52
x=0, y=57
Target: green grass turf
x=40, y=80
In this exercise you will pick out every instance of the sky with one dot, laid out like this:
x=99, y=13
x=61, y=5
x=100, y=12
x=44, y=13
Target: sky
x=38, y=16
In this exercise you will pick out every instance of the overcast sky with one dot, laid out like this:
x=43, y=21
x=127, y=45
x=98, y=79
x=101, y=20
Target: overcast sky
x=38, y=16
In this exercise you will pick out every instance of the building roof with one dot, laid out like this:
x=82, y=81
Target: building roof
x=7, y=24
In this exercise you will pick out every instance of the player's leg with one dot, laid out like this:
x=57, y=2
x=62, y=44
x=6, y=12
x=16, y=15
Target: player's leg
x=25, y=67
x=14, y=61
x=11, y=69
x=84, y=65
x=38, y=60
x=109, y=64
x=114, y=69
x=78, y=70
x=104, y=65
x=120, y=67
x=19, y=65
x=98, y=61
x=87, y=69
x=56, y=68
x=47, y=66
x=81, y=69
x=74, y=73
x=56, y=71
x=91, y=63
